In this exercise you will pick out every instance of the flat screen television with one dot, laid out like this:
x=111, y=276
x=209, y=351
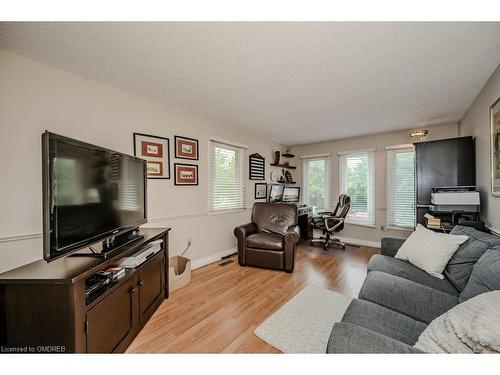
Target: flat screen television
x=90, y=194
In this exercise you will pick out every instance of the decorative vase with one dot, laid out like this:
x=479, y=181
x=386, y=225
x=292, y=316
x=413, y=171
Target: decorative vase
x=276, y=157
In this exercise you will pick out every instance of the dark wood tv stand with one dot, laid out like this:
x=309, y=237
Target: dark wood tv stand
x=43, y=307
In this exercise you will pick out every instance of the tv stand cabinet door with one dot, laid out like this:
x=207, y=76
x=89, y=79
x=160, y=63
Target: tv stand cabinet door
x=113, y=323
x=151, y=287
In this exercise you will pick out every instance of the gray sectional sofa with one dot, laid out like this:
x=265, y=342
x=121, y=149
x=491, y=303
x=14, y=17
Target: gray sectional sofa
x=398, y=300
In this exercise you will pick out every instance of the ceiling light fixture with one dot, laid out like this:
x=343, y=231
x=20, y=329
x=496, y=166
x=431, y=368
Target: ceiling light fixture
x=419, y=133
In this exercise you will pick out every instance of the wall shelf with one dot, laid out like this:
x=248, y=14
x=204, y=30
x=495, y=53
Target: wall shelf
x=283, y=166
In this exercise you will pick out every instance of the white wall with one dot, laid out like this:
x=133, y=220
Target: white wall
x=369, y=235
x=35, y=97
x=476, y=122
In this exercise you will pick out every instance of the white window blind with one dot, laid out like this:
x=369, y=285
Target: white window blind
x=316, y=182
x=226, y=176
x=357, y=179
x=400, y=187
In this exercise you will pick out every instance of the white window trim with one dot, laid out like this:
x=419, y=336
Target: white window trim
x=399, y=147
x=340, y=153
x=227, y=142
x=341, y=187
x=328, y=169
x=409, y=228
x=230, y=143
x=360, y=224
x=316, y=156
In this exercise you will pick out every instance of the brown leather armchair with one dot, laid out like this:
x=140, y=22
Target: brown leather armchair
x=271, y=239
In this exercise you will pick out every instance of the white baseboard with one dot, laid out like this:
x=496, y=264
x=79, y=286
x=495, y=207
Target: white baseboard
x=198, y=263
x=356, y=241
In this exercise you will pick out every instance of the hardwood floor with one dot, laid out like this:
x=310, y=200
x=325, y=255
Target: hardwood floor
x=219, y=310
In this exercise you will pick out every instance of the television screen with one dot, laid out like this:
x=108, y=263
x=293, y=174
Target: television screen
x=291, y=194
x=90, y=193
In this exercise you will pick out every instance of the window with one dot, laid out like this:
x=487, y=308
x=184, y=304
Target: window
x=226, y=176
x=357, y=179
x=401, y=186
x=316, y=181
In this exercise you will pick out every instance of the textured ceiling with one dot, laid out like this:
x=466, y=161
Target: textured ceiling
x=290, y=82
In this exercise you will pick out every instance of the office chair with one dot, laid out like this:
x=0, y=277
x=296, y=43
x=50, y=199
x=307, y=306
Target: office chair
x=330, y=222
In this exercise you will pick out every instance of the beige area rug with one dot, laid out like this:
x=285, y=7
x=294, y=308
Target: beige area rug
x=303, y=324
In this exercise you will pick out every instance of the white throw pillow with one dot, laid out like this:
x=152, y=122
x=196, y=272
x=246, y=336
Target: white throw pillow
x=430, y=251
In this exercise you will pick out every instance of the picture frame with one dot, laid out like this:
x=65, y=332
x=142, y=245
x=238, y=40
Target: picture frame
x=260, y=190
x=185, y=174
x=156, y=151
x=495, y=148
x=186, y=148
x=257, y=167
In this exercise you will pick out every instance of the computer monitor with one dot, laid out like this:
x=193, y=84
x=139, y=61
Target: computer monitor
x=291, y=194
x=276, y=193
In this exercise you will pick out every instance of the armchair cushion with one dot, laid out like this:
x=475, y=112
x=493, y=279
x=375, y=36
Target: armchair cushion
x=267, y=241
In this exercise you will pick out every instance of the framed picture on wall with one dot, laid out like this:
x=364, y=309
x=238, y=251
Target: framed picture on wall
x=495, y=148
x=156, y=151
x=186, y=148
x=185, y=174
x=260, y=191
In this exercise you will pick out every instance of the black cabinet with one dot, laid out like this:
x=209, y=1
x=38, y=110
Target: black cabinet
x=448, y=162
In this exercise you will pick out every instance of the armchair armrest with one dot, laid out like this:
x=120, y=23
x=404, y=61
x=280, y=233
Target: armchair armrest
x=391, y=245
x=291, y=239
x=241, y=232
x=245, y=230
x=293, y=234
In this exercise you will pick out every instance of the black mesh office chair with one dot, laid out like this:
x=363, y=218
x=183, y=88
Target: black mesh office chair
x=330, y=222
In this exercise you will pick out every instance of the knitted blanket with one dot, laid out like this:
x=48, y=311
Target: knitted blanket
x=472, y=326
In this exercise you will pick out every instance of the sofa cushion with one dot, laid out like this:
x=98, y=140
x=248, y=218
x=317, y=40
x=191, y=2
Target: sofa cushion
x=459, y=267
x=485, y=275
x=405, y=296
x=384, y=321
x=401, y=268
x=268, y=241
x=349, y=338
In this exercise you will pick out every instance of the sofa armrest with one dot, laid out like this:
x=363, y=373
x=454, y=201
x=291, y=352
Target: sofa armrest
x=391, y=245
x=350, y=338
x=290, y=241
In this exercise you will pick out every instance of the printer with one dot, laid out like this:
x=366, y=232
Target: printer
x=455, y=199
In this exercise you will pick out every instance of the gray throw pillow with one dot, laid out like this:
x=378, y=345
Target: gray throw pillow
x=485, y=275
x=459, y=268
